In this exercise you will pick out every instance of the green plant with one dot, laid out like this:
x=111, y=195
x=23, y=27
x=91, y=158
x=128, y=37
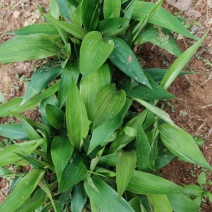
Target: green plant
x=90, y=150
x=200, y=193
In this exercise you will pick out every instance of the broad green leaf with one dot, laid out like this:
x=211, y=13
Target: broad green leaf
x=111, y=8
x=125, y=167
x=106, y=197
x=180, y=63
x=25, y=187
x=142, y=150
x=91, y=85
x=9, y=152
x=90, y=14
x=61, y=152
x=94, y=52
x=79, y=198
x=103, y=133
x=13, y=131
x=77, y=16
x=74, y=172
x=109, y=102
x=157, y=111
x=55, y=115
x=70, y=71
x=158, y=37
x=110, y=25
x=40, y=28
x=63, y=6
x=123, y=57
x=161, y=18
x=13, y=106
x=76, y=116
x=40, y=79
x=163, y=159
x=157, y=74
x=145, y=183
x=28, y=47
x=35, y=163
x=29, y=130
x=182, y=144
x=45, y=187
x=192, y=190
x=160, y=203
x=181, y=203
x=33, y=202
x=69, y=27
x=142, y=23
x=42, y=108
x=141, y=91
x=54, y=9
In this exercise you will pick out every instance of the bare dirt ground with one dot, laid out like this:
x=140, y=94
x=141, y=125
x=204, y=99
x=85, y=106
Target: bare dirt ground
x=192, y=109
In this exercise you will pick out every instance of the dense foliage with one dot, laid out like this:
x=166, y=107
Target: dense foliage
x=90, y=149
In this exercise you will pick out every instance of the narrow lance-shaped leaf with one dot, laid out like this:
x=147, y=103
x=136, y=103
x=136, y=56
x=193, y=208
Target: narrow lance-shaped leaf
x=182, y=144
x=34, y=202
x=63, y=6
x=61, y=152
x=142, y=150
x=13, y=131
x=141, y=91
x=9, y=152
x=125, y=167
x=180, y=63
x=145, y=183
x=70, y=71
x=28, y=47
x=161, y=18
x=55, y=115
x=109, y=102
x=79, y=198
x=105, y=196
x=40, y=28
x=160, y=203
x=124, y=58
x=157, y=111
x=14, y=104
x=74, y=172
x=25, y=187
x=90, y=14
x=76, y=116
x=54, y=9
x=111, y=8
x=45, y=187
x=69, y=27
x=91, y=85
x=180, y=202
x=94, y=52
x=159, y=37
x=40, y=79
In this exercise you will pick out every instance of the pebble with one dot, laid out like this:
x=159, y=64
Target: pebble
x=16, y=14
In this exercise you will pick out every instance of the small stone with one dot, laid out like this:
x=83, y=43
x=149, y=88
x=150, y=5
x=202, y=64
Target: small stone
x=16, y=14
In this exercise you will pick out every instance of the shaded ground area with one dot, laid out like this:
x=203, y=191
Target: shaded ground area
x=192, y=109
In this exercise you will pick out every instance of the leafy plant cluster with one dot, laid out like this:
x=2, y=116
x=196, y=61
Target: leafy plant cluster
x=90, y=149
